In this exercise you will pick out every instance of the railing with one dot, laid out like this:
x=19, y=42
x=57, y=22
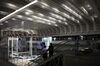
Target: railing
x=56, y=60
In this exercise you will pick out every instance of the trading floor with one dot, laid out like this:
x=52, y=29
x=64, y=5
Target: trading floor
x=49, y=32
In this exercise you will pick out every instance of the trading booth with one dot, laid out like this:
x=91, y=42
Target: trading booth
x=20, y=50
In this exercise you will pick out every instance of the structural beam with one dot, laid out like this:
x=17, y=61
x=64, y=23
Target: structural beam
x=18, y=10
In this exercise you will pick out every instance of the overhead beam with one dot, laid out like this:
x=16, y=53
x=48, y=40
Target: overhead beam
x=17, y=11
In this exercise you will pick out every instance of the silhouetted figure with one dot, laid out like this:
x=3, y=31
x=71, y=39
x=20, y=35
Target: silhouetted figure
x=44, y=53
x=51, y=50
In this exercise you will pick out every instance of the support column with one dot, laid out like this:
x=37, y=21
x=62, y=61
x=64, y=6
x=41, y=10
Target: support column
x=31, y=46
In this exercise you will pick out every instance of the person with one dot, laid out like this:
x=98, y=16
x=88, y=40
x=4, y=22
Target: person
x=51, y=50
x=44, y=53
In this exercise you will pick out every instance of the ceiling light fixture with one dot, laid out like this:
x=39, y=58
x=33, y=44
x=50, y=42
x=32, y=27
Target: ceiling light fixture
x=71, y=11
x=66, y=23
x=55, y=10
x=12, y=6
x=57, y=16
x=84, y=10
x=13, y=18
x=44, y=5
x=19, y=16
x=40, y=14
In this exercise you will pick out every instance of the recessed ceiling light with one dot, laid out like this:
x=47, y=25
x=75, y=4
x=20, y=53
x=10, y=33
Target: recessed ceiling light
x=40, y=14
x=30, y=19
x=77, y=21
x=27, y=13
x=49, y=23
x=44, y=5
x=66, y=23
x=67, y=8
x=10, y=5
x=55, y=25
x=19, y=16
x=13, y=18
x=55, y=10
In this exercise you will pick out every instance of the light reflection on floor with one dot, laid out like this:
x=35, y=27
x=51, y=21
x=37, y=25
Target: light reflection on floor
x=23, y=61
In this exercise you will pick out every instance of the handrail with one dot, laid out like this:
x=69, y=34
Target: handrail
x=51, y=59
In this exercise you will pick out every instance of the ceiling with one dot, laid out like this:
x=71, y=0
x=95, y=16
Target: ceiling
x=51, y=17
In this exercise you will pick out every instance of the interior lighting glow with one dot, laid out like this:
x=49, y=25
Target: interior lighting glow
x=10, y=5
x=71, y=11
x=18, y=10
x=55, y=25
x=44, y=5
x=40, y=14
x=59, y=21
x=66, y=23
x=52, y=18
x=30, y=11
x=49, y=23
x=84, y=10
x=13, y=18
x=89, y=6
x=55, y=10
x=30, y=19
x=4, y=13
x=57, y=16
x=66, y=15
x=19, y=16
x=47, y=20
x=27, y=13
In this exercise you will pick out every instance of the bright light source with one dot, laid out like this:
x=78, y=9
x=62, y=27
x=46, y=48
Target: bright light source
x=19, y=16
x=28, y=10
x=40, y=14
x=66, y=15
x=71, y=11
x=55, y=25
x=51, y=18
x=10, y=5
x=77, y=21
x=43, y=19
x=59, y=21
x=49, y=23
x=88, y=6
x=55, y=10
x=66, y=23
x=3, y=12
x=57, y=16
x=27, y=13
x=40, y=21
x=13, y=18
x=30, y=19
x=44, y=5
x=84, y=10
x=36, y=17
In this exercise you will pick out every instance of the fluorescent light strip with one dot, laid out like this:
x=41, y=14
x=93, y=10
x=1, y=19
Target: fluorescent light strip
x=84, y=10
x=47, y=20
x=57, y=16
x=12, y=6
x=15, y=12
x=71, y=11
